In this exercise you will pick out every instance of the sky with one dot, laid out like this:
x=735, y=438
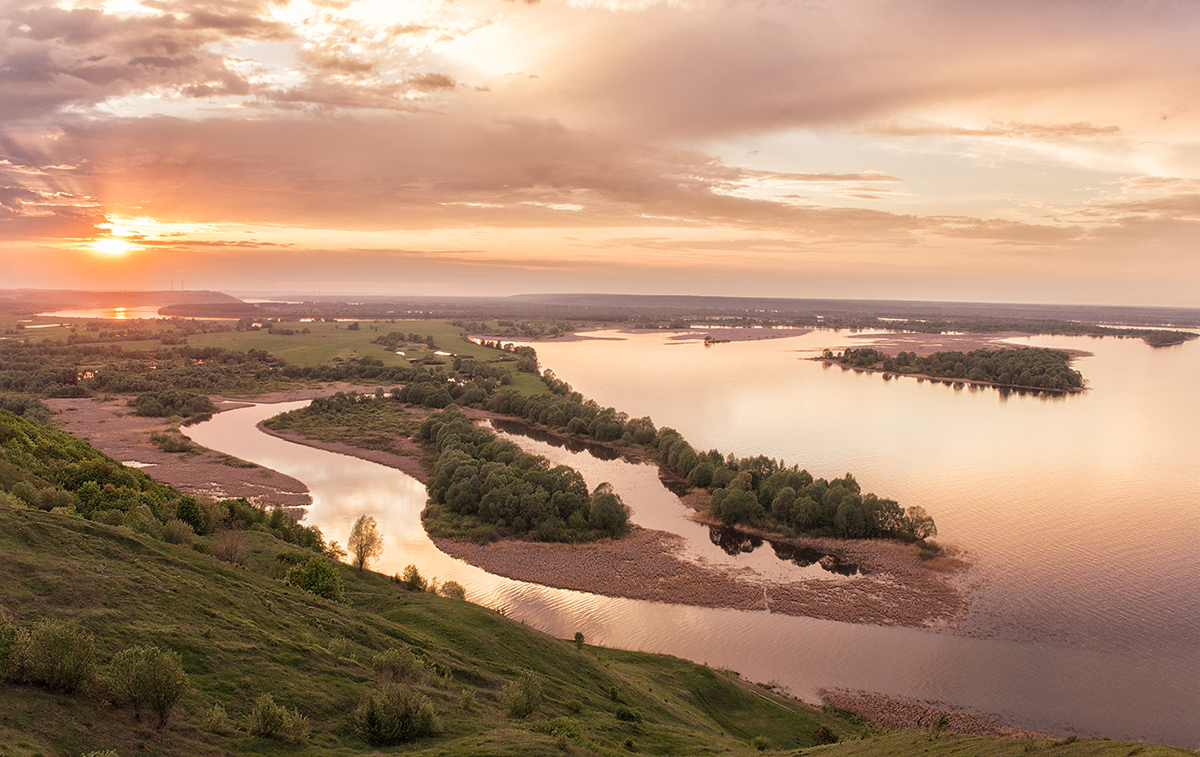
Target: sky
x=967, y=150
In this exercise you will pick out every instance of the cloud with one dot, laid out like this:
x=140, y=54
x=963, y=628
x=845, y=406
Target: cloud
x=1013, y=130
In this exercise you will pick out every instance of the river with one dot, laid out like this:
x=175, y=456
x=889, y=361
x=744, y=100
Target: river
x=1081, y=515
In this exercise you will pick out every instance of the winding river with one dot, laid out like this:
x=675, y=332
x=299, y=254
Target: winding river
x=1081, y=514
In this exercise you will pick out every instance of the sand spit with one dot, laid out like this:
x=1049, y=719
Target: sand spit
x=927, y=344
x=711, y=333
x=111, y=427
x=647, y=565
x=911, y=713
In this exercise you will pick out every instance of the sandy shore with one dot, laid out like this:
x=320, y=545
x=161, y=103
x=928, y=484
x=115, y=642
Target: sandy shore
x=111, y=427
x=646, y=564
x=714, y=333
x=927, y=344
x=895, y=712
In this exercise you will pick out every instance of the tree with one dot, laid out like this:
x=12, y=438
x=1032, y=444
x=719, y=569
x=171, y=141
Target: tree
x=365, y=542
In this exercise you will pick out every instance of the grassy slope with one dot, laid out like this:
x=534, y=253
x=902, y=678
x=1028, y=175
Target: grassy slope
x=242, y=633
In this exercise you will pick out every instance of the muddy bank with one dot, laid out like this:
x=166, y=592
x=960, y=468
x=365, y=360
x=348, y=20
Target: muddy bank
x=927, y=344
x=911, y=713
x=646, y=565
x=709, y=333
x=110, y=426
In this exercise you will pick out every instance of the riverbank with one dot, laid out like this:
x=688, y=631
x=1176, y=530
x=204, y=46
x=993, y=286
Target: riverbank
x=109, y=425
x=712, y=334
x=896, y=712
x=894, y=585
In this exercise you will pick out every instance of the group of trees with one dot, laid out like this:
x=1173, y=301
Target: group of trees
x=764, y=493
x=482, y=487
x=168, y=402
x=1033, y=367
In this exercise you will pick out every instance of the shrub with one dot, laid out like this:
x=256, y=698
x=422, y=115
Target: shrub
x=319, y=577
x=574, y=705
x=172, y=441
x=412, y=579
x=141, y=519
x=271, y=721
x=523, y=696
x=823, y=734
x=628, y=714
x=452, y=590
x=150, y=676
x=761, y=743
x=394, y=715
x=177, y=532
x=229, y=546
x=395, y=665
x=466, y=700
x=189, y=511
x=8, y=646
x=579, y=640
x=217, y=720
x=57, y=654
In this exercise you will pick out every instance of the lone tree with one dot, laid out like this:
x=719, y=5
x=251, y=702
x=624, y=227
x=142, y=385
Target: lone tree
x=365, y=541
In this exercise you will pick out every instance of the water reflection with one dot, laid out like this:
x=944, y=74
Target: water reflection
x=735, y=543
x=574, y=446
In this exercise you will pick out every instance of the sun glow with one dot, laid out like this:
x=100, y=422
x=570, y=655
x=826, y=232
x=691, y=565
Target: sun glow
x=117, y=243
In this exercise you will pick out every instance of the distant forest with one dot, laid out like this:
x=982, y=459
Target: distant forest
x=1026, y=367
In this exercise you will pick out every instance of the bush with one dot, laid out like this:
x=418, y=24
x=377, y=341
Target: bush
x=271, y=721
x=523, y=696
x=57, y=654
x=823, y=734
x=150, y=676
x=394, y=715
x=761, y=743
x=412, y=579
x=452, y=590
x=177, y=532
x=628, y=714
x=319, y=577
x=395, y=665
x=8, y=646
x=229, y=546
x=217, y=720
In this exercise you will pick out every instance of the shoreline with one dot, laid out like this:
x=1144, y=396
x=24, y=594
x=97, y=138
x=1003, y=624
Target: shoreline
x=895, y=586
x=903, y=712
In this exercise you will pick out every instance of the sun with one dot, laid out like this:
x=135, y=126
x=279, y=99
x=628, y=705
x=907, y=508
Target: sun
x=112, y=246
x=117, y=243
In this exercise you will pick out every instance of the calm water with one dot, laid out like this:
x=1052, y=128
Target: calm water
x=1080, y=513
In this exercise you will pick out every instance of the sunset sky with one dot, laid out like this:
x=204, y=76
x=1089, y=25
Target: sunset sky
x=917, y=149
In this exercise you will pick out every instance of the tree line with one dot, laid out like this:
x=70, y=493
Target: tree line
x=1031, y=367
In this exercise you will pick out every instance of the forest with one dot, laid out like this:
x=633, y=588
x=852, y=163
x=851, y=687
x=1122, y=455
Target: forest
x=1024, y=367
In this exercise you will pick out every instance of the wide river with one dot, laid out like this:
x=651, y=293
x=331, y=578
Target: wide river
x=1080, y=514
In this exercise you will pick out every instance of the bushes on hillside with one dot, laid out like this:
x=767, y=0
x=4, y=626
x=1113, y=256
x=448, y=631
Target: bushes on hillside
x=147, y=676
x=394, y=714
x=272, y=721
x=318, y=576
